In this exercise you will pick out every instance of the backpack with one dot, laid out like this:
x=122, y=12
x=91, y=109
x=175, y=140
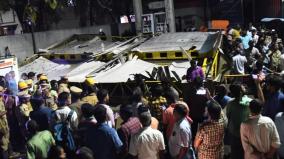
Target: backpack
x=63, y=134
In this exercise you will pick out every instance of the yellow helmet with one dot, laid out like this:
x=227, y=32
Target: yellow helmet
x=43, y=77
x=22, y=85
x=90, y=81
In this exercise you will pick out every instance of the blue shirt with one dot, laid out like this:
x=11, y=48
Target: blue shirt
x=273, y=105
x=223, y=101
x=42, y=117
x=245, y=41
x=103, y=141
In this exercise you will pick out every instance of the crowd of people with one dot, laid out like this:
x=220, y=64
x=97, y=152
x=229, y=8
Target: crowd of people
x=58, y=120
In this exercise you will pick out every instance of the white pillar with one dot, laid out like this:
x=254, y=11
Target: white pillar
x=170, y=13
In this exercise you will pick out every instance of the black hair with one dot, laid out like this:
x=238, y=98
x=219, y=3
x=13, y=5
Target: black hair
x=84, y=153
x=62, y=98
x=31, y=74
x=145, y=119
x=255, y=106
x=181, y=109
x=259, y=65
x=214, y=110
x=143, y=109
x=32, y=126
x=102, y=94
x=54, y=152
x=137, y=95
x=236, y=90
x=221, y=90
x=37, y=100
x=157, y=91
x=100, y=113
x=87, y=110
x=275, y=81
x=126, y=111
x=54, y=85
x=171, y=95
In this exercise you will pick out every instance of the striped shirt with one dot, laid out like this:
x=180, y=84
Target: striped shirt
x=258, y=134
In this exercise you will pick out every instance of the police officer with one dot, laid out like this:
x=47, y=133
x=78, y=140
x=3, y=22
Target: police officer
x=4, y=128
x=76, y=100
x=91, y=97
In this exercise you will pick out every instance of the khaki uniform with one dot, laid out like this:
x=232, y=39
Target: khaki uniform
x=91, y=99
x=77, y=108
x=4, y=128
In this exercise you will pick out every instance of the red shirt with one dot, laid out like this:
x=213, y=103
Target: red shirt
x=168, y=119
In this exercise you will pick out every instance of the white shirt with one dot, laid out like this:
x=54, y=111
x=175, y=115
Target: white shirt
x=180, y=137
x=147, y=144
x=279, y=122
x=61, y=114
x=282, y=62
x=239, y=63
x=110, y=116
x=258, y=134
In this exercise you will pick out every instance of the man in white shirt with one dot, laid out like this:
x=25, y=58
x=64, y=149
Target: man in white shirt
x=239, y=61
x=148, y=143
x=103, y=98
x=259, y=135
x=180, y=141
x=61, y=114
x=279, y=121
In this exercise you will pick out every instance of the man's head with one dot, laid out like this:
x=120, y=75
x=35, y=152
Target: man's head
x=251, y=44
x=32, y=127
x=64, y=99
x=137, y=95
x=75, y=93
x=125, y=112
x=193, y=63
x=275, y=46
x=259, y=65
x=221, y=90
x=145, y=119
x=31, y=75
x=172, y=95
x=87, y=110
x=273, y=83
x=180, y=111
x=84, y=153
x=214, y=110
x=157, y=91
x=103, y=96
x=255, y=107
x=236, y=91
x=54, y=85
x=100, y=114
x=37, y=100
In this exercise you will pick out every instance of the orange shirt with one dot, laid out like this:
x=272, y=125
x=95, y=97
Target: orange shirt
x=168, y=119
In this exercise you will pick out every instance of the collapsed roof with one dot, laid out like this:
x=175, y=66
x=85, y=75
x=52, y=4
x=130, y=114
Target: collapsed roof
x=202, y=41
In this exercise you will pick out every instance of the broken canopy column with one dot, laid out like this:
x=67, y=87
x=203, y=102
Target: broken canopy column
x=138, y=11
x=170, y=13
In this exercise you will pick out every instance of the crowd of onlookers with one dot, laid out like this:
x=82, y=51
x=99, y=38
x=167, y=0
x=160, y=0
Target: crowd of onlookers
x=46, y=119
